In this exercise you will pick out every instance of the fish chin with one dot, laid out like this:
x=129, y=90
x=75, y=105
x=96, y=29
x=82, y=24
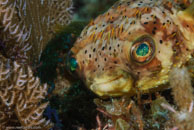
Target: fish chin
x=112, y=86
x=145, y=84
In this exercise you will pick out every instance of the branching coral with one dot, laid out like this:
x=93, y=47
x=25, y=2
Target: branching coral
x=27, y=24
x=20, y=97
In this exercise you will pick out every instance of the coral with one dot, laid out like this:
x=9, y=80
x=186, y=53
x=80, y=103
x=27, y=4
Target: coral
x=122, y=113
x=27, y=24
x=21, y=96
x=62, y=85
x=180, y=83
x=51, y=113
x=182, y=116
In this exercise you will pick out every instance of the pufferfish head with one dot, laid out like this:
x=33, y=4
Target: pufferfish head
x=132, y=47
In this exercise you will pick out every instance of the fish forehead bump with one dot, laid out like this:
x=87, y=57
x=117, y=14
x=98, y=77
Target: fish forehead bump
x=130, y=17
x=122, y=14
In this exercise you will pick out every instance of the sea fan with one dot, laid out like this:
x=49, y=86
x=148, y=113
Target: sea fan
x=29, y=25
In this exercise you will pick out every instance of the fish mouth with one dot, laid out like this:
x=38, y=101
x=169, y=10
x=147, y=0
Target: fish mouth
x=111, y=80
x=112, y=85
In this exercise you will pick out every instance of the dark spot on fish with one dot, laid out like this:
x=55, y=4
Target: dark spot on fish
x=110, y=48
x=104, y=59
x=153, y=32
x=115, y=62
x=146, y=23
x=154, y=22
x=94, y=49
x=90, y=55
x=86, y=51
x=96, y=59
x=161, y=41
x=103, y=48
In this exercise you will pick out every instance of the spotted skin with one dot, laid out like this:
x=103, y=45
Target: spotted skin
x=103, y=50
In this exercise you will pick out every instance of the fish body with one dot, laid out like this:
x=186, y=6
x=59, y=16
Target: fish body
x=133, y=46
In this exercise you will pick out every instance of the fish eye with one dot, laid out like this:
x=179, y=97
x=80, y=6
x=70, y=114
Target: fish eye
x=71, y=63
x=143, y=50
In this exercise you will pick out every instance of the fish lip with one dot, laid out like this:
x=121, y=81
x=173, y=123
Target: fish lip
x=115, y=86
x=111, y=80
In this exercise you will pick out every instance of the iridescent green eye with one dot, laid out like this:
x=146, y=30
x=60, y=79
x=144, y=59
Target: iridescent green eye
x=143, y=50
x=73, y=64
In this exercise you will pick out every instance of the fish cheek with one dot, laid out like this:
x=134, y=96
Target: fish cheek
x=154, y=65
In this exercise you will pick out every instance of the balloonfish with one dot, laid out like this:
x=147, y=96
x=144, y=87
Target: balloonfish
x=133, y=46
